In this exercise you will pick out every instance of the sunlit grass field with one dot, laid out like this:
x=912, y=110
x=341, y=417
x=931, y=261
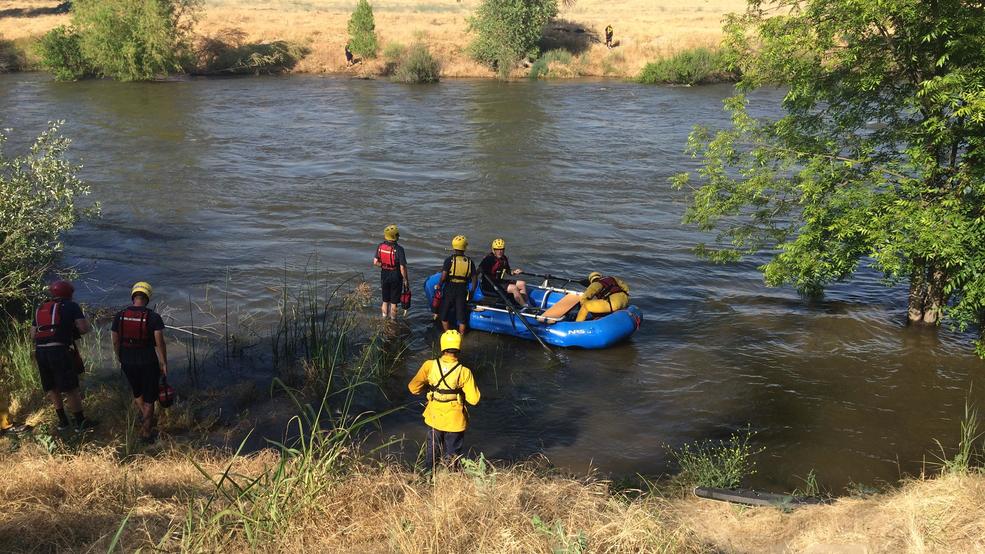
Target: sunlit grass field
x=645, y=30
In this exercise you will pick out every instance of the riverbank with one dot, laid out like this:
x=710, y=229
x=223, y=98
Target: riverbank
x=84, y=501
x=644, y=31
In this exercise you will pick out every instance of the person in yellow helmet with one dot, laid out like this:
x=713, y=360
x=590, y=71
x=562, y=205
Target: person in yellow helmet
x=496, y=266
x=608, y=36
x=449, y=386
x=392, y=261
x=138, y=341
x=456, y=273
x=604, y=295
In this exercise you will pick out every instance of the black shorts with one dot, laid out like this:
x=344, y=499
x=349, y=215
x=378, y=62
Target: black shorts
x=144, y=380
x=392, y=285
x=453, y=303
x=56, y=369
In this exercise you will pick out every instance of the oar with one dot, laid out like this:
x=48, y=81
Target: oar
x=509, y=306
x=582, y=282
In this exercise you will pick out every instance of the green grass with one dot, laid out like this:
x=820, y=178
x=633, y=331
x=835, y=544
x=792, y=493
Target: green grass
x=968, y=456
x=541, y=69
x=688, y=67
x=18, y=372
x=417, y=66
x=720, y=464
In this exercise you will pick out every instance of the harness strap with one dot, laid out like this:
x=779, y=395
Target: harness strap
x=442, y=380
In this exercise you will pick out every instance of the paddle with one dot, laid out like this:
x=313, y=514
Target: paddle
x=509, y=306
x=582, y=282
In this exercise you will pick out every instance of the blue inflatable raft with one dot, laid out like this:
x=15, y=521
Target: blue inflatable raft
x=591, y=334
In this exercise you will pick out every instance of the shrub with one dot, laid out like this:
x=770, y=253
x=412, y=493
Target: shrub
x=542, y=67
x=688, y=67
x=37, y=199
x=362, y=31
x=11, y=58
x=417, y=65
x=60, y=50
x=720, y=464
x=507, y=31
x=226, y=53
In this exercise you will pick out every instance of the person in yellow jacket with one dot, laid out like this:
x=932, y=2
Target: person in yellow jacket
x=604, y=295
x=6, y=425
x=449, y=386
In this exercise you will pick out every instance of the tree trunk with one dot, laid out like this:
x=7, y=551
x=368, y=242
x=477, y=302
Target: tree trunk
x=926, y=293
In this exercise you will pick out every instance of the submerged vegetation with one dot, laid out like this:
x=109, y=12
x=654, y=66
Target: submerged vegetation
x=696, y=66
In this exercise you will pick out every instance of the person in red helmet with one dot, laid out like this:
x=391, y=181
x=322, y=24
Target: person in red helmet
x=138, y=341
x=57, y=323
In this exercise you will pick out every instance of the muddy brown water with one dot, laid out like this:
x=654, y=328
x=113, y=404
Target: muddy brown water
x=251, y=177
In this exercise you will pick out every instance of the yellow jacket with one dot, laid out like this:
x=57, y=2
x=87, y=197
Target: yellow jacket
x=595, y=288
x=445, y=412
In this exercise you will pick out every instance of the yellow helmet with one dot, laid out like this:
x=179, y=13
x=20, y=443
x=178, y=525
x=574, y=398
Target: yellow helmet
x=451, y=340
x=498, y=244
x=390, y=232
x=594, y=276
x=459, y=243
x=142, y=286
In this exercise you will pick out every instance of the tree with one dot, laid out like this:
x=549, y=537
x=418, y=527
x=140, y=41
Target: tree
x=507, y=31
x=38, y=193
x=878, y=158
x=362, y=31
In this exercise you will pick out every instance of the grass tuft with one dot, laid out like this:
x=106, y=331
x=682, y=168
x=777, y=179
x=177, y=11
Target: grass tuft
x=688, y=67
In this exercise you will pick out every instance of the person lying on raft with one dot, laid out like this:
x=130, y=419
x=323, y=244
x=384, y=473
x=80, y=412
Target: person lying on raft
x=603, y=296
x=496, y=266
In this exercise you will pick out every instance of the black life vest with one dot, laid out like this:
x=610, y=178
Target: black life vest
x=460, y=270
x=134, y=332
x=51, y=325
x=499, y=267
x=387, y=254
x=448, y=394
x=609, y=287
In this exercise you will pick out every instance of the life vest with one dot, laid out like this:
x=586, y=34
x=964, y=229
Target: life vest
x=387, y=254
x=51, y=327
x=460, y=270
x=609, y=287
x=499, y=268
x=133, y=328
x=440, y=383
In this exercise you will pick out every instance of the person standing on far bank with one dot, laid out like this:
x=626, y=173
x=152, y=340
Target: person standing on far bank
x=608, y=36
x=449, y=386
x=392, y=261
x=138, y=341
x=57, y=323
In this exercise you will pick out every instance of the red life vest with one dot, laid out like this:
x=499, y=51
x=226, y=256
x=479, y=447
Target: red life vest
x=133, y=329
x=609, y=287
x=387, y=254
x=50, y=326
x=499, y=268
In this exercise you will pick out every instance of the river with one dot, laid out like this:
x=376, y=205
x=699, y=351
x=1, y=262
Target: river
x=207, y=180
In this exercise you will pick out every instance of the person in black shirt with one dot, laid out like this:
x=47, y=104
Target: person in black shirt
x=392, y=261
x=138, y=340
x=456, y=273
x=496, y=266
x=57, y=324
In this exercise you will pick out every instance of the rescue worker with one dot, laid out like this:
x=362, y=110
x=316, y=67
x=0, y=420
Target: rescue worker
x=449, y=386
x=348, y=56
x=138, y=341
x=604, y=295
x=608, y=36
x=496, y=266
x=57, y=324
x=392, y=262
x=456, y=273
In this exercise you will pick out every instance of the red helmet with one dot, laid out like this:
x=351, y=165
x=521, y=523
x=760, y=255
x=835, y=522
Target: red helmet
x=61, y=289
x=166, y=394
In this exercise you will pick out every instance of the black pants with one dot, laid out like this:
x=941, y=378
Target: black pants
x=56, y=369
x=443, y=445
x=392, y=286
x=454, y=303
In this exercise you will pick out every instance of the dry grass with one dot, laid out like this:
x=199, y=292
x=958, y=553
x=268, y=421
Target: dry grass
x=645, y=29
x=76, y=502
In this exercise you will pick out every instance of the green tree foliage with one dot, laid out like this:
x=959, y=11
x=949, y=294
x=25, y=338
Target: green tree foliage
x=128, y=40
x=507, y=31
x=38, y=194
x=60, y=52
x=878, y=158
x=362, y=31
x=417, y=65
